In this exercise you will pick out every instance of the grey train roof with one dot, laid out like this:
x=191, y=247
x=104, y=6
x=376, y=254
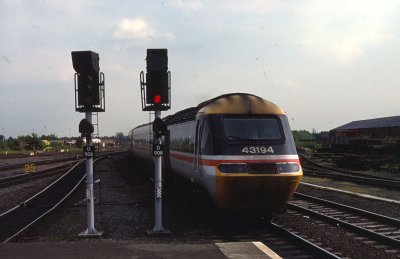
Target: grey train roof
x=385, y=122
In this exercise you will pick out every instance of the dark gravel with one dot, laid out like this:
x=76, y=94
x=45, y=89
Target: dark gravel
x=11, y=196
x=4, y=160
x=124, y=209
x=329, y=236
x=377, y=206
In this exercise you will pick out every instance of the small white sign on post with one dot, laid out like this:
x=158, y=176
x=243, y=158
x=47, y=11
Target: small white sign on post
x=88, y=151
x=158, y=150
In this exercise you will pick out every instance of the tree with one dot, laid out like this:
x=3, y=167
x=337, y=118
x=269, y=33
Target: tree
x=31, y=142
x=13, y=144
x=79, y=142
x=301, y=135
x=49, y=137
x=120, y=137
x=322, y=135
x=2, y=141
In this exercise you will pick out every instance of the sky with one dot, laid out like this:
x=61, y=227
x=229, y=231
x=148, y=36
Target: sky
x=326, y=63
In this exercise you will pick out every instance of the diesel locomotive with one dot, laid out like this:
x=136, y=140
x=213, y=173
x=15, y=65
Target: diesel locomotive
x=238, y=146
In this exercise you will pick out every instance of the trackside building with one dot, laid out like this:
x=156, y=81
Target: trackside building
x=378, y=132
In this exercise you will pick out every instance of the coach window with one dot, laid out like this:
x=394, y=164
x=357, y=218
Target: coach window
x=206, y=139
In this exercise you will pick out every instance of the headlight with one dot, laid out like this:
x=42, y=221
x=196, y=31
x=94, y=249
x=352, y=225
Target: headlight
x=233, y=168
x=287, y=167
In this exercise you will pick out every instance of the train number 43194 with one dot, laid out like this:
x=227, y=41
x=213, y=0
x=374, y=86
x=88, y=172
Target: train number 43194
x=257, y=150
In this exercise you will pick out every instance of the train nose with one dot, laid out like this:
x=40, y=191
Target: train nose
x=256, y=185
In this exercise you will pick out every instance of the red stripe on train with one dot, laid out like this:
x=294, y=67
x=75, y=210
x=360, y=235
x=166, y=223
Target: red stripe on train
x=210, y=162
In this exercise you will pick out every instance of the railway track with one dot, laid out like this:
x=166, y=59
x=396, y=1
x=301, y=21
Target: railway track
x=12, y=180
x=27, y=155
x=371, y=227
x=312, y=168
x=273, y=237
x=19, y=218
x=39, y=162
x=27, y=213
x=282, y=241
x=290, y=245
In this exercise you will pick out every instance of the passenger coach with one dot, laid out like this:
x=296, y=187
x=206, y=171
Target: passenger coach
x=239, y=147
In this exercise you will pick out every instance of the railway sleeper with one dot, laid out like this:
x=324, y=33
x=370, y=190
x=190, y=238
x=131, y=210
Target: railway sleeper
x=336, y=213
x=371, y=224
x=353, y=227
x=390, y=230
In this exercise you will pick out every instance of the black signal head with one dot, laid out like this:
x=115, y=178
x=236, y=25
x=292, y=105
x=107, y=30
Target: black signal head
x=85, y=62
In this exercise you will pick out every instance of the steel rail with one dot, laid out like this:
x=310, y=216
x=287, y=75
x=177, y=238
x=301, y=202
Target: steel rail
x=39, y=162
x=13, y=213
x=26, y=155
x=358, y=179
x=343, y=172
x=352, y=227
x=315, y=166
x=10, y=217
x=11, y=180
x=362, y=212
x=314, y=249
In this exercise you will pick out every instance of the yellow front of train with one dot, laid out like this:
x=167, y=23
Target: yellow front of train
x=258, y=173
x=255, y=191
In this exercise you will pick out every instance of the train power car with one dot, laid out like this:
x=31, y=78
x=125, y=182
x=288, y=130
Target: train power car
x=239, y=147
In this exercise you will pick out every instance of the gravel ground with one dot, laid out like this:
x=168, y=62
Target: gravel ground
x=20, y=171
x=32, y=159
x=329, y=236
x=11, y=196
x=380, y=207
x=391, y=193
x=124, y=211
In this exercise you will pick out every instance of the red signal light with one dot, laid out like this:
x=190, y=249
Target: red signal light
x=157, y=99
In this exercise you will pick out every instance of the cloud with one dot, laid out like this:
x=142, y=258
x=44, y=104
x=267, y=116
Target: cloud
x=255, y=6
x=74, y=8
x=187, y=6
x=344, y=31
x=169, y=37
x=136, y=28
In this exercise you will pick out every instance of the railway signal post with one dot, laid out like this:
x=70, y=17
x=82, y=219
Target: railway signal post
x=89, y=97
x=156, y=96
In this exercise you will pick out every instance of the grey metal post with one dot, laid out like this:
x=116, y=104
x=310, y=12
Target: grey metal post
x=158, y=188
x=90, y=230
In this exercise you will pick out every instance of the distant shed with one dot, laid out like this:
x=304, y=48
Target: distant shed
x=374, y=132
